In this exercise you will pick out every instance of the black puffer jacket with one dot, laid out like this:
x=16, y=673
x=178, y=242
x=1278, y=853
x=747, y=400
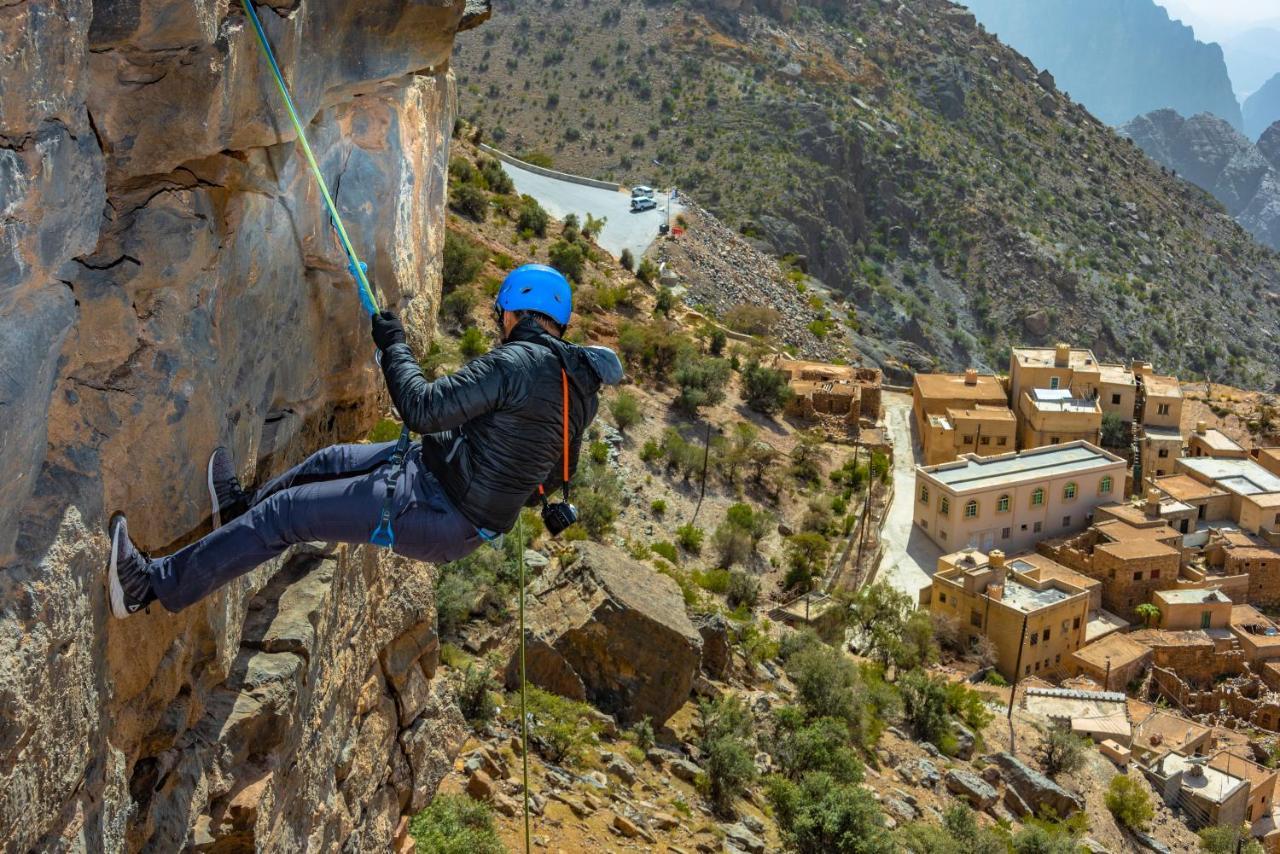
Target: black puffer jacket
x=492, y=431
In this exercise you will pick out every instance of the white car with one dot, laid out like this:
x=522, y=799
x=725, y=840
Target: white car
x=643, y=203
x=641, y=192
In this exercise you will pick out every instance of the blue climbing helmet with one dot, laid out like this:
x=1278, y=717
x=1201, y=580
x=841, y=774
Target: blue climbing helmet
x=537, y=287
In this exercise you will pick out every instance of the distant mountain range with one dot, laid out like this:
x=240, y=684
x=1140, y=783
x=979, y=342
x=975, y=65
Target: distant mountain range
x=1120, y=58
x=1262, y=108
x=1213, y=155
x=1253, y=58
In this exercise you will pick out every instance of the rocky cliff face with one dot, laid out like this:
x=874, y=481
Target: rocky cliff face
x=1216, y=157
x=1262, y=108
x=1120, y=58
x=168, y=282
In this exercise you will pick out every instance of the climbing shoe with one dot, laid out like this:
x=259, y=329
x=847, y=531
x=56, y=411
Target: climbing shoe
x=128, y=575
x=229, y=500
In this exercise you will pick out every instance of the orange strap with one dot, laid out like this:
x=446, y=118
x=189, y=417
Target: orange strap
x=564, y=380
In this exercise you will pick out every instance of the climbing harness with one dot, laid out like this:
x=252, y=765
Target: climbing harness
x=383, y=535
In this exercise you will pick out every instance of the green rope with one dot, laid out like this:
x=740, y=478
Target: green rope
x=367, y=297
x=524, y=701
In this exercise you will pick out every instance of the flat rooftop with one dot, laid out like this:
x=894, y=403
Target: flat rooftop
x=1209, y=783
x=1173, y=731
x=1061, y=400
x=1136, y=549
x=1045, y=357
x=1244, y=477
x=1118, y=648
x=1027, y=599
x=982, y=413
x=1195, y=596
x=987, y=389
x=1102, y=623
x=1064, y=703
x=1161, y=386
x=1116, y=374
x=972, y=472
x=1162, y=434
x=1184, y=487
x=1218, y=441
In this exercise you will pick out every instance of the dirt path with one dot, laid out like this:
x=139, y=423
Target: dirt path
x=910, y=557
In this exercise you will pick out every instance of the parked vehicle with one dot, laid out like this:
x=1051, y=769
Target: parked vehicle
x=641, y=192
x=644, y=203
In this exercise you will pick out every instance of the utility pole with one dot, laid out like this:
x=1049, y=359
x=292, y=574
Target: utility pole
x=866, y=509
x=1017, y=672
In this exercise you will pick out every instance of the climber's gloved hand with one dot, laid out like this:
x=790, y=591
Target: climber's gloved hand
x=387, y=330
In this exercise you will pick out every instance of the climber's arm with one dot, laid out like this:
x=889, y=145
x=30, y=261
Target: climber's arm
x=478, y=387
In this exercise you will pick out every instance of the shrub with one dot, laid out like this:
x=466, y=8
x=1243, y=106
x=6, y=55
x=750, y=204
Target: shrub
x=690, y=538
x=733, y=544
x=924, y=706
x=568, y=258
x=821, y=816
x=627, y=260
x=667, y=551
x=531, y=217
x=726, y=728
x=599, y=453
x=764, y=389
x=1041, y=839
x=806, y=557
x=1114, y=434
x=1228, y=839
x=828, y=686
x=625, y=409
x=716, y=341
x=385, y=430
x=463, y=259
x=797, y=641
x=1128, y=801
x=642, y=734
x=472, y=343
x=752, y=319
x=800, y=747
x=666, y=297
x=658, y=507
x=647, y=271
x=1062, y=752
x=562, y=728
x=458, y=305
x=455, y=824
x=475, y=697
x=596, y=493
x=959, y=833
x=712, y=580
x=702, y=382
x=743, y=590
x=469, y=201
x=496, y=177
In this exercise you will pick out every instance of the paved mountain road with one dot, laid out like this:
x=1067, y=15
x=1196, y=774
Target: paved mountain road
x=910, y=557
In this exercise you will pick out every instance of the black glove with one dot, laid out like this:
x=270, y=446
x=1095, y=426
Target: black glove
x=387, y=330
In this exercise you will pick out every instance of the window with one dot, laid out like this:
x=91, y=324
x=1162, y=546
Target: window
x=1035, y=638
x=1026, y=671
x=1036, y=527
x=942, y=534
x=971, y=509
x=1057, y=658
x=1111, y=576
x=1137, y=576
x=1037, y=497
x=1105, y=485
x=944, y=506
x=924, y=494
x=975, y=619
x=1115, y=400
x=1069, y=491
x=1205, y=618
x=1053, y=382
x=986, y=440
x=1046, y=636
x=1004, y=533
x=942, y=597
x=1162, y=409
x=968, y=440
x=1155, y=573
x=1054, y=441
x=1037, y=667
x=1066, y=521
x=1162, y=453
x=1002, y=440
x=1002, y=504
x=1075, y=624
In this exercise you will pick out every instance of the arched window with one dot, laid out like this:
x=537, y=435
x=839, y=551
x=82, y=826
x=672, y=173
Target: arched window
x=944, y=507
x=1037, y=497
x=1069, y=491
x=1104, y=486
x=924, y=493
x=1002, y=505
x=971, y=509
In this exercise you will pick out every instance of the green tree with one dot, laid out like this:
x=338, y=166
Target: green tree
x=469, y=201
x=647, y=271
x=1229, y=839
x=702, y=381
x=828, y=685
x=592, y=226
x=806, y=558
x=1129, y=801
x=821, y=816
x=764, y=389
x=959, y=833
x=744, y=590
x=568, y=258
x=463, y=259
x=473, y=343
x=455, y=824
x=627, y=260
x=726, y=739
x=625, y=409
x=1114, y=433
x=1063, y=752
x=1148, y=613
x=924, y=707
x=800, y=746
x=1039, y=839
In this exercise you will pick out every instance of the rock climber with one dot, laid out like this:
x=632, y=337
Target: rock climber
x=493, y=440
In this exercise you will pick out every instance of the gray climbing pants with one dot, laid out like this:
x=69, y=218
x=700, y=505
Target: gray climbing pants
x=334, y=496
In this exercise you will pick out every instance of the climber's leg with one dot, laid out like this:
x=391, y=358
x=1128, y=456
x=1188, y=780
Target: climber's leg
x=333, y=462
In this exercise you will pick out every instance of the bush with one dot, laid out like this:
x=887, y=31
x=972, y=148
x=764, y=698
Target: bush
x=666, y=297
x=568, y=258
x=744, y=590
x=924, y=706
x=470, y=201
x=752, y=319
x=475, y=697
x=1040, y=839
x=455, y=824
x=667, y=551
x=712, y=580
x=1063, y=752
x=496, y=177
x=800, y=747
x=625, y=409
x=473, y=343
x=828, y=685
x=959, y=833
x=627, y=260
x=1129, y=802
x=596, y=493
x=642, y=734
x=732, y=545
x=1114, y=434
x=457, y=306
x=531, y=217
x=806, y=558
x=463, y=259
x=821, y=816
x=726, y=743
x=658, y=507
x=562, y=729
x=764, y=389
x=690, y=538
x=647, y=271
x=385, y=430
x=654, y=347
x=1226, y=839
x=702, y=382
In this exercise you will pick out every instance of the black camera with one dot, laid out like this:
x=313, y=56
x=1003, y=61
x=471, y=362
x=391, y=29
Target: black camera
x=558, y=516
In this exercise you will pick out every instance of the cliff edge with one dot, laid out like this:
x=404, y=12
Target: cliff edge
x=168, y=283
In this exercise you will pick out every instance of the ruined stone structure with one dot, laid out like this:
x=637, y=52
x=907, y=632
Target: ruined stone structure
x=169, y=282
x=821, y=389
x=1132, y=562
x=1244, y=698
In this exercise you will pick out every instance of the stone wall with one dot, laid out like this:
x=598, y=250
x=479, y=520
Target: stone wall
x=168, y=283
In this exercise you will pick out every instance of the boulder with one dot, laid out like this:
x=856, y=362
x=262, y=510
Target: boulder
x=1033, y=790
x=612, y=631
x=966, y=741
x=970, y=787
x=919, y=772
x=716, y=651
x=740, y=837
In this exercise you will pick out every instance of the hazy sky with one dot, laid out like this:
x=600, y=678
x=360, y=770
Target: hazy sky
x=1217, y=19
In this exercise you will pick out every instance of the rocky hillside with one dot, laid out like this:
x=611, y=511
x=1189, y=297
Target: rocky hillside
x=169, y=283
x=901, y=155
x=1262, y=108
x=1120, y=58
x=1211, y=154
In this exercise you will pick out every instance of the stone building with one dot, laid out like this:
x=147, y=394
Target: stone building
x=1209, y=797
x=1131, y=561
x=1192, y=608
x=1268, y=458
x=1209, y=441
x=1010, y=603
x=1230, y=553
x=1209, y=503
x=1013, y=500
x=821, y=389
x=1114, y=662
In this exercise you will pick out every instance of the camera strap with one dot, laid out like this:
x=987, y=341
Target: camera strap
x=564, y=386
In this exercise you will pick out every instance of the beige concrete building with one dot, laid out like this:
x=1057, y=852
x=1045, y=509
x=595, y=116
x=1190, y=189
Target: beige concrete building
x=1254, y=491
x=1262, y=780
x=1192, y=608
x=1056, y=417
x=1159, y=398
x=1113, y=662
x=1011, y=501
x=1075, y=369
x=1208, y=796
x=1268, y=458
x=985, y=595
x=1158, y=449
x=1208, y=502
x=962, y=413
x=1209, y=441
